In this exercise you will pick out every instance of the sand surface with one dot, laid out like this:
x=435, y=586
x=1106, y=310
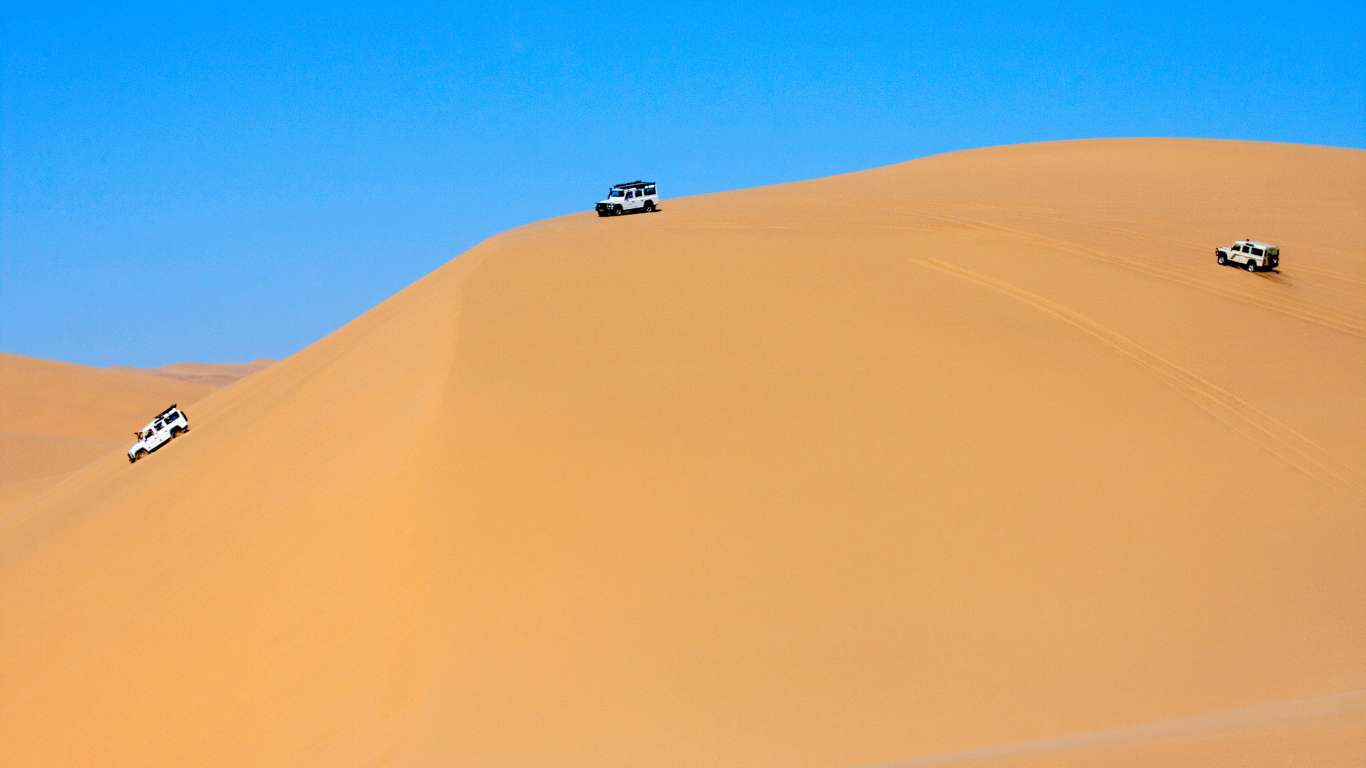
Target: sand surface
x=975, y=460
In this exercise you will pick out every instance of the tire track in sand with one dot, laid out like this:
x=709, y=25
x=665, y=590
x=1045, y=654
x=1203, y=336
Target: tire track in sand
x=1056, y=217
x=1290, y=446
x=1338, y=281
x=1292, y=711
x=1322, y=316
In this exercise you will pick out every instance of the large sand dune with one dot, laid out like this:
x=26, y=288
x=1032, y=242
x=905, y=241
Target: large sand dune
x=978, y=460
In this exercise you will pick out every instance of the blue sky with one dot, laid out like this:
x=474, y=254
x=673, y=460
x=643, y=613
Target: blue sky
x=219, y=184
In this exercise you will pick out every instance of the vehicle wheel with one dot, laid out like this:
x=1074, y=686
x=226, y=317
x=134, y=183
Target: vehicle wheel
x=139, y=456
x=649, y=206
x=1223, y=259
x=1252, y=266
x=616, y=211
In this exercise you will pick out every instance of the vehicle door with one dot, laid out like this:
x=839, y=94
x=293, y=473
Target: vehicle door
x=630, y=203
x=157, y=435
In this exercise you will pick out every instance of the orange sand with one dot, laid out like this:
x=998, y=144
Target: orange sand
x=978, y=450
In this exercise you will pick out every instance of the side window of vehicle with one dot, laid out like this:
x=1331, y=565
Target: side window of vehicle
x=1256, y=251
x=649, y=190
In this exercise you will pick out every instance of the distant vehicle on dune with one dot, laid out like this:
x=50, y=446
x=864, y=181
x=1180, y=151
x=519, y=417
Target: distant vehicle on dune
x=629, y=197
x=1251, y=254
x=167, y=426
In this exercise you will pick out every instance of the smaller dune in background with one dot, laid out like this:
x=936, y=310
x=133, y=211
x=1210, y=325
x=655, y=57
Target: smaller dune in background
x=210, y=374
x=55, y=417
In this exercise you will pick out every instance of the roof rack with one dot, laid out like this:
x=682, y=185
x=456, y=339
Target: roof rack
x=630, y=184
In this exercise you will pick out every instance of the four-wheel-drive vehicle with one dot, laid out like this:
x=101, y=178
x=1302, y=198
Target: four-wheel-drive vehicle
x=629, y=196
x=1252, y=255
x=168, y=425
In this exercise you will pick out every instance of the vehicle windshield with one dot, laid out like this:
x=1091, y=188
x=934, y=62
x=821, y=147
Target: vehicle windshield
x=617, y=193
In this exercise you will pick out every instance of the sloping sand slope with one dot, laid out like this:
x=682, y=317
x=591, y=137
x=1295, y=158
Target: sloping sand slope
x=885, y=469
x=55, y=417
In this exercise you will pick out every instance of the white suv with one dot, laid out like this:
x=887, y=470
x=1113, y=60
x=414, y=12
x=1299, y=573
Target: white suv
x=628, y=196
x=168, y=425
x=1251, y=254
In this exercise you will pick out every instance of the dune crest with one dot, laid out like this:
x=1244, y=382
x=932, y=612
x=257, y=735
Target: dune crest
x=981, y=449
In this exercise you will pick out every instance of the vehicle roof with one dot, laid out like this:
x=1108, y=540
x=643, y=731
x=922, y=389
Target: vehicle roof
x=1258, y=244
x=149, y=424
x=630, y=184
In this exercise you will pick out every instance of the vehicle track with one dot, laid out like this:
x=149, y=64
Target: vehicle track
x=1336, y=706
x=1289, y=445
x=1201, y=247
x=1055, y=216
x=1325, y=317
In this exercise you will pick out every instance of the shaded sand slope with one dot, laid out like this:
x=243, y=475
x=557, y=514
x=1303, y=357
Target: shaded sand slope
x=978, y=450
x=55, y=417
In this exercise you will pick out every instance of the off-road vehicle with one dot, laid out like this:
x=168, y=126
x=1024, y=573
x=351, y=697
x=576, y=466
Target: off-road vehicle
x=167, y=426
x=629, y=197
x=1251, y=255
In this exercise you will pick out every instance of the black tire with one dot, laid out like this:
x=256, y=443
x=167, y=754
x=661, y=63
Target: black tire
x=1222, y=259
x=616, y=210
x=140, y=455
x=649, y=206
x=176, y=432
x=1251, y=266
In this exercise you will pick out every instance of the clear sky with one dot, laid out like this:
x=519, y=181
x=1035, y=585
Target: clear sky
x=219, y=184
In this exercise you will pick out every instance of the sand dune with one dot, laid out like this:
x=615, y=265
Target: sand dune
x=975, y=451
x=56, y=417
x=210, y=374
